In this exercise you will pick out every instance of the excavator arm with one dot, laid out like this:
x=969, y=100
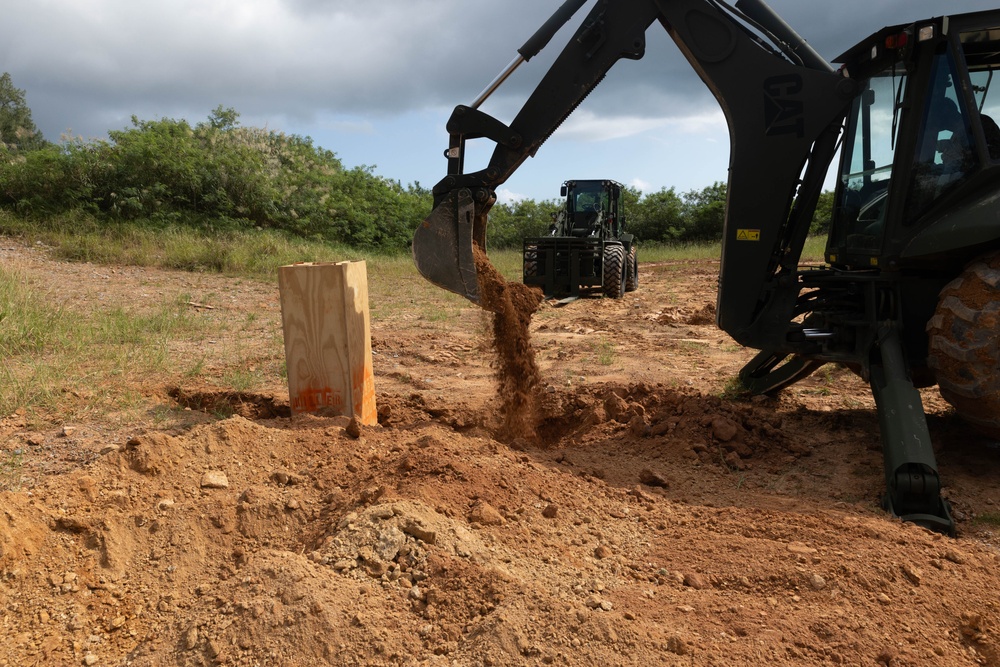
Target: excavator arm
x=784, y=106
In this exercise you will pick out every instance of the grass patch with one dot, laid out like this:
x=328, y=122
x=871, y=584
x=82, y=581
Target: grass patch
x=74, y=362
x=606, y=352
x=658, y=252
x=735, y=390
x=12, y=470
x=243, y=379
x=991, y=519
x=253, y=254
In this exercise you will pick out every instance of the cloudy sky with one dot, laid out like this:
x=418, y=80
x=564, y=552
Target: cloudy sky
x=375, y=80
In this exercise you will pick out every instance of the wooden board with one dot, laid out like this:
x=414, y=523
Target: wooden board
x=324, y=312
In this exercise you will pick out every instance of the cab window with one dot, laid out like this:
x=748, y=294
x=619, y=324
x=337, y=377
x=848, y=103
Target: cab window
x=871, y=145
x=945, y=155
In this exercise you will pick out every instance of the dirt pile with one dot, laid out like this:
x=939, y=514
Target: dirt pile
x=290, y=542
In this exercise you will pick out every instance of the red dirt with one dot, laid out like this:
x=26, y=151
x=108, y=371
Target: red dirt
x=652, y=522
x=518, y=378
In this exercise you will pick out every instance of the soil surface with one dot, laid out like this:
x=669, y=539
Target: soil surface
x=649, y=520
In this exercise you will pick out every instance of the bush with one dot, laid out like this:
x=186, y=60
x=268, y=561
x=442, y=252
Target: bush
x=215, y=175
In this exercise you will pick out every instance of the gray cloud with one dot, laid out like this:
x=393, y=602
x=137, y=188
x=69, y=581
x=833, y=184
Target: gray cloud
x=90, y=66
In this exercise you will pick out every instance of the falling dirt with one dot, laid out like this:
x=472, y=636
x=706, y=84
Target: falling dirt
x=654, y=520
x=511, y=306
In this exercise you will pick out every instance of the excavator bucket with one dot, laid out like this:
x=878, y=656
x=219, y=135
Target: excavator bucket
x=442, y=244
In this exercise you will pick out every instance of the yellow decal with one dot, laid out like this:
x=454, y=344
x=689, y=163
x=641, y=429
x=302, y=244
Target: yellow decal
x=748, y=235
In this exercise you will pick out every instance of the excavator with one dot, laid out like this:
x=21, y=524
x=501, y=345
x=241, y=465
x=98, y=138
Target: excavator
x=909, y=293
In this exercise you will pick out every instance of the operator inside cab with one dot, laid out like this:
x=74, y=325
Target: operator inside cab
x=945, y=155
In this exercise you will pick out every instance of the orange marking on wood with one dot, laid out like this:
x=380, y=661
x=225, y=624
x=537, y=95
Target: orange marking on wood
x=363, y=390
x=310, y=400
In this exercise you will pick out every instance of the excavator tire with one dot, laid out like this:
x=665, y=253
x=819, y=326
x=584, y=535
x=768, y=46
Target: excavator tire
x=531, y=263
x=964, y=345
x=614, y=271
x=632, y=270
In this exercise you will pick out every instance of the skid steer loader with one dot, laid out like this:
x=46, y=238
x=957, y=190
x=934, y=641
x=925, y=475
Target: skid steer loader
x=909, y=295
x=587, y=247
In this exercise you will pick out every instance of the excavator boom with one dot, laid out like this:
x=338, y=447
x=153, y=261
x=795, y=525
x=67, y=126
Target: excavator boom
x=783, y=103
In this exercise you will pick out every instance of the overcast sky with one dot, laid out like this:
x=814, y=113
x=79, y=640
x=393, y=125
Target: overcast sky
x=375, y=80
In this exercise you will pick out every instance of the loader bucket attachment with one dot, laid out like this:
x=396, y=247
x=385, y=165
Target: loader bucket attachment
x=442, y=244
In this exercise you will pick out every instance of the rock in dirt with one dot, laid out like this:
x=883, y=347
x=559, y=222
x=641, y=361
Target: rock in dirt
x=676, y=645
x=734, y=461
x=912, y=573
x=723, y=429
x=801, y=549
x=285, y=478
x=214, y=479
x=191, y=638
x=638, y=426
x=415, y=529
x=650, y=478
x=486, y=515
x=697, y=581
x=616, y=408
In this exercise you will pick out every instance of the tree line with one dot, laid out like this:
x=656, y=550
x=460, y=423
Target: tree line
x=219, y=175
x=666, y=216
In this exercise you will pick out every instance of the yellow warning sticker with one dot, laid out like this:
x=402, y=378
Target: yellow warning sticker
x=748, y=235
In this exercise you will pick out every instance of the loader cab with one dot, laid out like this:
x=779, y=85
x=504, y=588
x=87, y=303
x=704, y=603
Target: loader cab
x=921, y=152
x=593, y=208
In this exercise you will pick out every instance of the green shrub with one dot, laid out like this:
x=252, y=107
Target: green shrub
x=215, y=176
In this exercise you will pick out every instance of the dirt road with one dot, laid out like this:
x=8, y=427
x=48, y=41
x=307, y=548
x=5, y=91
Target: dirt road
x=653, y=521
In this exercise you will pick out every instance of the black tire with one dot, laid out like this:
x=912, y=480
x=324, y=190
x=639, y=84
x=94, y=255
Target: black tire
x=963, y=345
x=614, y=270
x=632, y=271
x=530, y=264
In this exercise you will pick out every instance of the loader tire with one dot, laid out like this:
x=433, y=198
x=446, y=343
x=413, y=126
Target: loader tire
x=632, y=271
x=964, y=345
x=531, y=264
x=614, y=271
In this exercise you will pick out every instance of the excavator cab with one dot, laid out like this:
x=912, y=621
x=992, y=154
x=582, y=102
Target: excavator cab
x=583, y=208
x=919, y=140
x=588, y=204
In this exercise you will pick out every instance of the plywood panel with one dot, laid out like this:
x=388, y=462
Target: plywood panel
x=324, y=310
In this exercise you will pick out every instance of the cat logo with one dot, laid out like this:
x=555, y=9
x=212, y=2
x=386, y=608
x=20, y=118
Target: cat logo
x=783, y=113
x=748, y=235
